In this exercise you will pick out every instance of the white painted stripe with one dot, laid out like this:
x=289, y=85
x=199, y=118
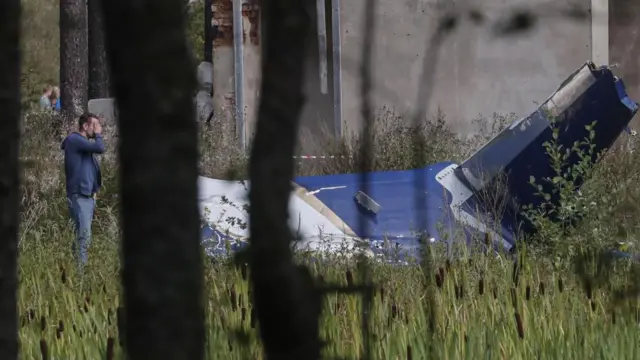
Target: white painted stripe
x=325, y=188
x=600, y=32
x=319, y=157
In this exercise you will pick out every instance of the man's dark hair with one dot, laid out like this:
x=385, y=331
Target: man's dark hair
x=84, y=118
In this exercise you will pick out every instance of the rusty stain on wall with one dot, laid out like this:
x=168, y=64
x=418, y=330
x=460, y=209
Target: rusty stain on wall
x=222, y=14
x=252, y=13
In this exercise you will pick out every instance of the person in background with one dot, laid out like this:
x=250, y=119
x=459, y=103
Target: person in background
x=83, y=180
x=45, y=99
x=55, y=98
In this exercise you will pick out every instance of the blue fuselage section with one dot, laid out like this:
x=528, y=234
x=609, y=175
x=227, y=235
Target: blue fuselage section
x=590, y=96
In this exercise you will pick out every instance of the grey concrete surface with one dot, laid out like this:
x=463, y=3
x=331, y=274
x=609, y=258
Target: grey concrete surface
x=624, y=44
x=475, y=72
x=223, y=62
x=223, y=84
x=105, y=108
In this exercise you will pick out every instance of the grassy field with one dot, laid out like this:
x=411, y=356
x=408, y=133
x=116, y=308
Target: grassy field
x=546, y=316
x=481, y=308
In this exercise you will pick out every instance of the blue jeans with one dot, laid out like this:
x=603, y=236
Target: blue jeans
x=81, y=212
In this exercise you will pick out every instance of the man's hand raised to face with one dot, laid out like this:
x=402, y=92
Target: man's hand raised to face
x=97, y=128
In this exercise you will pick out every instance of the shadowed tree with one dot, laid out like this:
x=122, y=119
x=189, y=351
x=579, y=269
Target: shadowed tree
x=208, y=31
x=98, y=69
x=9, y=174
x=73, y=58
x=287, y=303
x=162, y=272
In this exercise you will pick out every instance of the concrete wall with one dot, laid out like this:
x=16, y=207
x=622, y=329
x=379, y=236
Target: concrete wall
x=624, y=44
x=223, y=61
x=476, y=73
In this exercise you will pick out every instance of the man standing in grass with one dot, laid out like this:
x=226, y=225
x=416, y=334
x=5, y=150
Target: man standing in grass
x=83, y=179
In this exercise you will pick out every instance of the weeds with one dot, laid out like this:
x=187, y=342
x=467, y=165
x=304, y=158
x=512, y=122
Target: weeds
x=481, y=310
x=76, y=318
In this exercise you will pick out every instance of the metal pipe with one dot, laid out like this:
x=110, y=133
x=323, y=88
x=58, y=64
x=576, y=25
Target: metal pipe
x=322, y=45
x=238, y=57
x=337, y=67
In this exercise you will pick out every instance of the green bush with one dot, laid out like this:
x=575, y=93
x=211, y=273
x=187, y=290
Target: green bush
x=482, y=307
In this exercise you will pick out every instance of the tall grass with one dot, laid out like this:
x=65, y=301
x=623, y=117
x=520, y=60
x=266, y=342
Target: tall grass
x=481, y=313
x=483, y=307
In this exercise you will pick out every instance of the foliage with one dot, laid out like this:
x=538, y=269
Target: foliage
x=484, y=305
x=570, y=221
x=40, y=48
x=481, y=312
x=195, y=28
x=41, y=44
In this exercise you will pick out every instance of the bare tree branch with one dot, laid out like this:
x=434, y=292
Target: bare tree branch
x=162, y=270
x=10, y=12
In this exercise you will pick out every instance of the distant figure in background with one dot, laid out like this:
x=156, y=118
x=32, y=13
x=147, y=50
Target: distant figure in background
x=55, y=98
x=45, y=99
x=83, y=180
x=204, y=97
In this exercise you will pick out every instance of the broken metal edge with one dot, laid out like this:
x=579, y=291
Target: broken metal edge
x=320, y=207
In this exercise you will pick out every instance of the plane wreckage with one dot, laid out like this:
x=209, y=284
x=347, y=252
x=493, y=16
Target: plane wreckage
x=325, y=210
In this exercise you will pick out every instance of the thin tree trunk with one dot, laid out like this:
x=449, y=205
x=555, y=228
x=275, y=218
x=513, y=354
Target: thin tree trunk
x=9, y=174
x=73, y=57
x=98, y=68
x=208, y=31
x=162, y=264
x=288, y=306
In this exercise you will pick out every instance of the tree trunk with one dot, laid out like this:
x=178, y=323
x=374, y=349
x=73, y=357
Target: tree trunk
x=162, y=274
x=98, y=67
x=9, y=174
x=208, y=31
x=287, y=303
x=73, y=57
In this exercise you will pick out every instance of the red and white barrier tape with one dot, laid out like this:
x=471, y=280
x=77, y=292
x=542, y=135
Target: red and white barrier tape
x=320, y=157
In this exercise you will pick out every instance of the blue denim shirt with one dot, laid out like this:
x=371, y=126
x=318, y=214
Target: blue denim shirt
x=81, y=168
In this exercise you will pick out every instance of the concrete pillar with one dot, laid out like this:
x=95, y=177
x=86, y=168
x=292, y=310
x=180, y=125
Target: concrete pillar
x=477, y=74
x=223, y=61
x=600, y=32
x=624, y=44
